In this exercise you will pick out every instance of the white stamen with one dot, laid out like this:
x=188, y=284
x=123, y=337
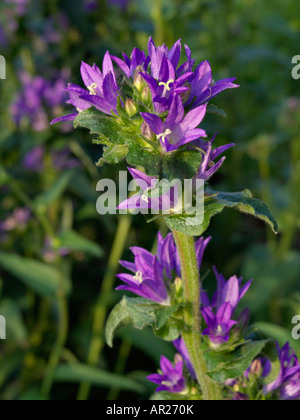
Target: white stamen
x=93, y=88
x=139, y=277
x=164, y=135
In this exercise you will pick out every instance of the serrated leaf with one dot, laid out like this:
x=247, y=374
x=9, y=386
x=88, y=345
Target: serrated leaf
x=142, y=313
x=76, y=242
x=137, y=311
x=106, y=127
x=230, y=366
x=242, y=201
x=113, y=154
x=78, y=373
x=40, y=277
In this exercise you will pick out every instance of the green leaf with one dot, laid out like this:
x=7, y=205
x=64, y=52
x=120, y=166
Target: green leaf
x=106, y=127
x=230, y=366
x=113, y=154
x=9, y=365
x=16, y=330
x=215, y=204
x=76, y=242
x=280, y=334
x=39, y=277
x=77, y=373
x=53, y=194
x=137, y=311
x=181, y=164
x=143, y=313
x=213, y=109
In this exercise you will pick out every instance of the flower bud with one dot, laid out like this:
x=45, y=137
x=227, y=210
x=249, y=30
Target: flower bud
x=130, y=107
x=147, y=132
x=178, y=284
x=146, y=95
x=138, y=80
x=256, y=368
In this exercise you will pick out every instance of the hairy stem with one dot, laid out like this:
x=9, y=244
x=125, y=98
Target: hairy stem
x=192, y=315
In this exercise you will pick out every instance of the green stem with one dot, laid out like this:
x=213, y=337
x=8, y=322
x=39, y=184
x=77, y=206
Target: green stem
x=120, y=368
x=192, y=315
x=97, y=342
x=63, y=323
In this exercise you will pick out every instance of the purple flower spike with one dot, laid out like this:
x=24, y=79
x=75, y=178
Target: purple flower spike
x=218, y=314
x=288, y=381
x=33, y=160
x=178, y=129
x=171, y=379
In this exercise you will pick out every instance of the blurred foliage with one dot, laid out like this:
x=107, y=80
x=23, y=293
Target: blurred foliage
x=55, y=262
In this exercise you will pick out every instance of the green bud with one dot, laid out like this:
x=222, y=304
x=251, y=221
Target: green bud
x=130, y=107
x=146, y=95
x=138, y=80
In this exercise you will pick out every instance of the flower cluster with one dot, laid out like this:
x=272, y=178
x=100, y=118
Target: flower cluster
x=38, y=101
x=153, y=275
x=175, y=96
x=219, y=312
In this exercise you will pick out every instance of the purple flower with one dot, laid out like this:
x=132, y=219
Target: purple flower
x=102, y=90
x=288, y=381
x=38, y=96
x=153, y=274
x=90, y=6
x=143, y=201
x=129, y=66
x=122, y=4
x=208, y=166
x=34, y=160
x=181, y=348
x=178, y=129
x=219, y=312
x=20, y=5
x=203, y=88
x=171, y=378
x=18, y=220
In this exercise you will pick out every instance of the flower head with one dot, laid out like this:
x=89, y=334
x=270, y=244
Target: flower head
x=171, y=378
x=153, y=274
x=218, y=314
x=288, y=381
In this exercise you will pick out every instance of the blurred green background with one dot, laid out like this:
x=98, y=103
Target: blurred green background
x=58, y=257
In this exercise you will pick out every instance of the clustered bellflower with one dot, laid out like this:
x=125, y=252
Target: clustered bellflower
x=287, y=383
x=179, y=95
x=153, y=275
x=219, y=312
x=171, y=378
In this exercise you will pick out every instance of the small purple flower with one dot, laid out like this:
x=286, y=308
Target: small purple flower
x=122, y=4
x=34, y=159
x=219, y=312
x=153, y=274
x=144, y=201
x=20, y=6
x=171, y=378
x=208, y=166
x=288, y=381
x=90, y=6
x=178, y=129
x=102, y=90
x=181, y=348
x=203, y=88
x=18, y=220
